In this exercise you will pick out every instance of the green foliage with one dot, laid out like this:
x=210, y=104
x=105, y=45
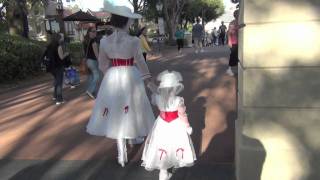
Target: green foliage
x=76, y=52
x=19, y=57
x=211, y=9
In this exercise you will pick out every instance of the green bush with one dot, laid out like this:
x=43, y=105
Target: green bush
x=76, y=51
x=19, y=57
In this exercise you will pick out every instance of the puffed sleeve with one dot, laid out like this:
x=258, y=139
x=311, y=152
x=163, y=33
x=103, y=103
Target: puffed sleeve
x=182, y=112
x=103, y=58
x=139, y=60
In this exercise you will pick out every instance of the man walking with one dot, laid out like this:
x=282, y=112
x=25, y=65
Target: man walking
x=197, y=35
x=222, y=33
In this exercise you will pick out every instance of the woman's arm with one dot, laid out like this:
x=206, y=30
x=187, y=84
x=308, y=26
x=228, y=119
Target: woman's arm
x=145, y=43
x=103, y=59
x=95, y=49
x=62, y=54
x=139, y=60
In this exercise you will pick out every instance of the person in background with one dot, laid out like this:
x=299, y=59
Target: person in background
x=197, y=35
x=57, y=54
x=233, y=43
x=180, y=37
x=91, y=54
x=214, y=35
x=222, y=33
x=142, y=34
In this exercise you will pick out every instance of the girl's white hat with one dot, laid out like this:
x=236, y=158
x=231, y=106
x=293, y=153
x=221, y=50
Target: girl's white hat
x=170, y=79
x=121, y=10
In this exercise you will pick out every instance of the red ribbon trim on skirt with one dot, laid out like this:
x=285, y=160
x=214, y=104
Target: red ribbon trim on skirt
x=122, y=62
x=169, y=116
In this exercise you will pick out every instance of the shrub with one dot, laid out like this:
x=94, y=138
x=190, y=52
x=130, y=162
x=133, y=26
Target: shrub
x=76, y=51
x=19, y=57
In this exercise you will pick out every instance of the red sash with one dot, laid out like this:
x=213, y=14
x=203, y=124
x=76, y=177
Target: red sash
x=122, y=62
x=169, y=116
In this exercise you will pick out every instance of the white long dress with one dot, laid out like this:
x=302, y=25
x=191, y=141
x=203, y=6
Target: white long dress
x=169, y=145
x=122, y=108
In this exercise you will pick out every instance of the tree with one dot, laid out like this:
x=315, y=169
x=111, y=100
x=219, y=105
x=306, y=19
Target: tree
x=206, y=9
x=16, y=15
x=172, y=10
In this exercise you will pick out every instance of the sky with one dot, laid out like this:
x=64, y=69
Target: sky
x=93, y=5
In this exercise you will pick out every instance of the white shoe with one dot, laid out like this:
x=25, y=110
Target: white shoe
x=59, y=102
x=201, y=50
x=197, y=51
x=229, y=72
x=164, y=175
x=122, y=152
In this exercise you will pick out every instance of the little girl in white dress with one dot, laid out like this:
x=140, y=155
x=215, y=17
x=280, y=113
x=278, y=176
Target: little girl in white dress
x=169, y=144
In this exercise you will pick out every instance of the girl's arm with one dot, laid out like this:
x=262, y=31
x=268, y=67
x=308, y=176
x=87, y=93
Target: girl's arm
x=61, y=54
x=182, y=112
x=183, y=116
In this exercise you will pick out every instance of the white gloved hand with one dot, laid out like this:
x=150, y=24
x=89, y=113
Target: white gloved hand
x=189, y=130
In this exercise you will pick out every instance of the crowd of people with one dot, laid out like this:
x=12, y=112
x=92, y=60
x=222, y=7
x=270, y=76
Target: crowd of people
x=117, y=81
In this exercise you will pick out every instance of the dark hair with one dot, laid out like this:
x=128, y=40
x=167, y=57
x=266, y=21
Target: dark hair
x=54, y=39
x=87, y=36
x=118, y=21
x=198, y=20
x=140, y=31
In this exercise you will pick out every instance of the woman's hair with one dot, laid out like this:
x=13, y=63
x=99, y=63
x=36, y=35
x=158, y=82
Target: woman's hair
x=54, y=39
x=140, y=31
x=87, y=36
x=118, y=21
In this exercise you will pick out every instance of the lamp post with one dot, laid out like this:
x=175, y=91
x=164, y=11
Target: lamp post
x=160, y=30
x=60, y=16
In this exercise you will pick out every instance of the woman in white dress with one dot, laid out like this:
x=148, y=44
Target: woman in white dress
x=169, y=144
x=122, y=110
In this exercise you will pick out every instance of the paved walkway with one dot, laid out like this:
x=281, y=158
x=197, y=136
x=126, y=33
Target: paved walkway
x=40, y=140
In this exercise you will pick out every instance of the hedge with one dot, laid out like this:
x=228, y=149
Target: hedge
x=19, y=57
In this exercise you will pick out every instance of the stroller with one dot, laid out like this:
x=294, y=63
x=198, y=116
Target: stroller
x=71, y=77
x=71, y=74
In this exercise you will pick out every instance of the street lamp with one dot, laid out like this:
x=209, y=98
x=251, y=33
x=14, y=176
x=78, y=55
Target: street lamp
x=160, y=30
x=60, y=16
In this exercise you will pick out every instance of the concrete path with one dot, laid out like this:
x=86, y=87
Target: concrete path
x=39, y=140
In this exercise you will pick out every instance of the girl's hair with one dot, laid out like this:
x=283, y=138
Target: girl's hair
x=87, y=36
x=55, y=38
x=118, y=21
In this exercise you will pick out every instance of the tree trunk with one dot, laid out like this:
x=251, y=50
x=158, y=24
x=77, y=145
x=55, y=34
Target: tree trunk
x=17, y=18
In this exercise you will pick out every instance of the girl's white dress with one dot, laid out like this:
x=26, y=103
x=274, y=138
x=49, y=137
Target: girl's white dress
x=169, y=145
x=122, y=108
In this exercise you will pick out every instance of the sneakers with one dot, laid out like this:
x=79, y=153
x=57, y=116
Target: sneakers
x=90, y=95
x=229, y=72
x=201, y=50
x=197, y=51
x=60, y=102
x=164, y=175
